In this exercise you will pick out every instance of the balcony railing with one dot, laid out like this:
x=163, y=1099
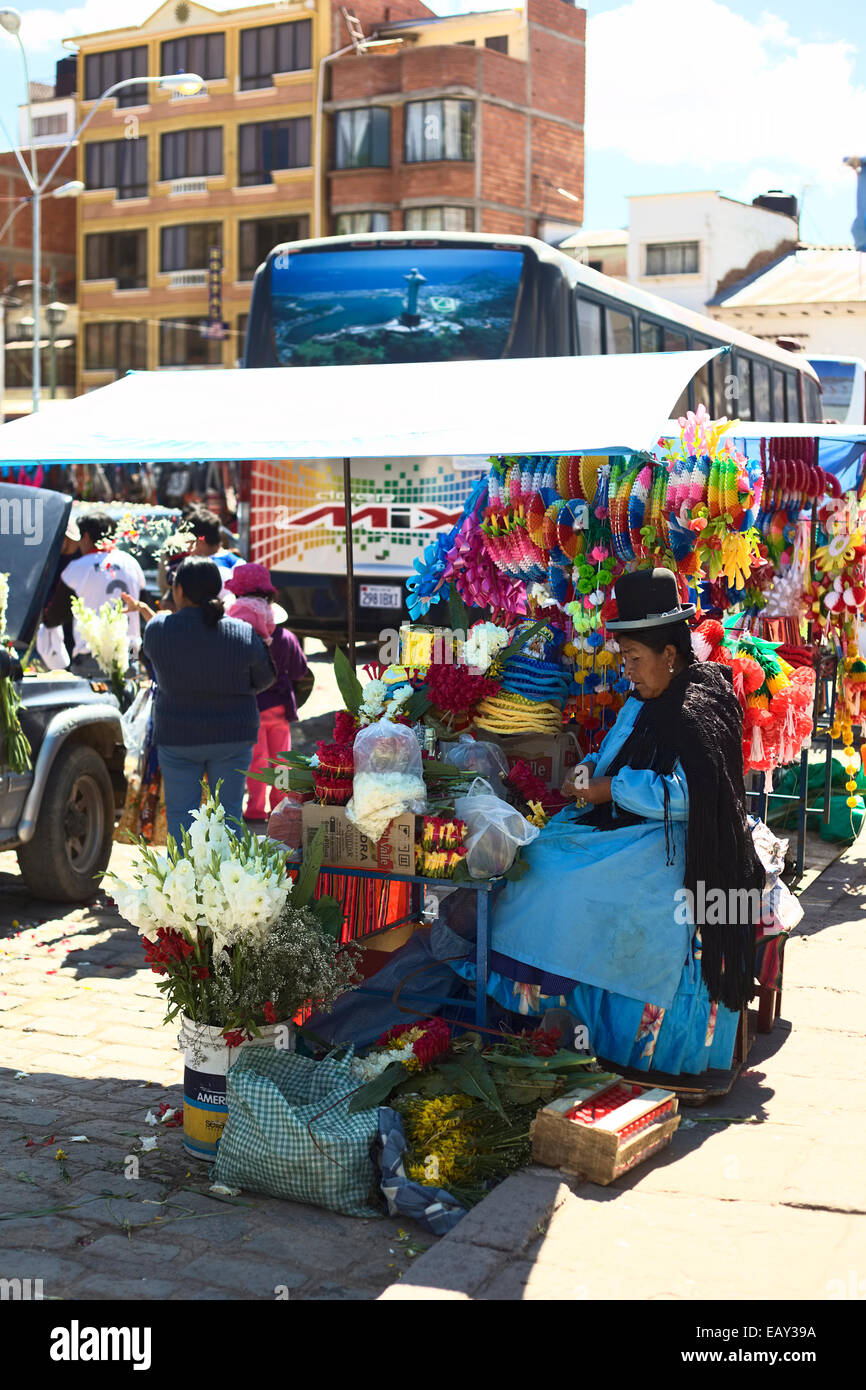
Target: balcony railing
x=187, y=279
x=196, y=185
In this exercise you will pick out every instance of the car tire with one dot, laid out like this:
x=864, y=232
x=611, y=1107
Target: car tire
x=71, y=847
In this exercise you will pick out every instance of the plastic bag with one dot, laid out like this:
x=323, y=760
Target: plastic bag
x=471, y=755
x=495, y=830
x=134, y=724
x=285, y=822
x=388, y=777
x=386, y=747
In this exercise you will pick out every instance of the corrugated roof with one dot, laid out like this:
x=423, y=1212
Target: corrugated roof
x=809, y=275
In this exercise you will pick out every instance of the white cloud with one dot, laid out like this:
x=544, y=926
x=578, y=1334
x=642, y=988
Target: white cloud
x=689, y=82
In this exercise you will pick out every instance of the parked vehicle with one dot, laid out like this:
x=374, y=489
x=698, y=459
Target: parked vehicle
x=60, y=816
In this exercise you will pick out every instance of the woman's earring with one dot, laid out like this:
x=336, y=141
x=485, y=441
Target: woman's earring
x=671, y=669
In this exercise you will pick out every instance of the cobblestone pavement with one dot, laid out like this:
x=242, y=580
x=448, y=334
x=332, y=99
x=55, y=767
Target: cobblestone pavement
x=84, y=1053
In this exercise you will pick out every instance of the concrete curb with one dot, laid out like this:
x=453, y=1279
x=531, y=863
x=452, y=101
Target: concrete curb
x=493, y=1234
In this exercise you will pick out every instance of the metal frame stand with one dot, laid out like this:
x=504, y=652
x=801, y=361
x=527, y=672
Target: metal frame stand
x=483, y=889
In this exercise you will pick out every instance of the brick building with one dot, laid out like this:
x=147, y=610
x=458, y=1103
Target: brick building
x=471, y=123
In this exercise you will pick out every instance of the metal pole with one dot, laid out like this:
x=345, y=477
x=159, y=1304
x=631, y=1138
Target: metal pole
x=350, y=557
x=37, y=302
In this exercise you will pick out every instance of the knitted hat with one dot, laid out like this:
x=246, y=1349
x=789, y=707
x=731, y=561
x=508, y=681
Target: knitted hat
x=250, y=579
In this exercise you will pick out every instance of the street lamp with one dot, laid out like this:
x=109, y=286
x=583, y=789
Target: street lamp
x=187, y=83
x=55, y=314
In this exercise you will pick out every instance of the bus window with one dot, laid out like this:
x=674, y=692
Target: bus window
x=619, y=331
x=792, y=400
x=813, y=399
x=761, y=387
x=650, y=337
x=674, y=342
x=588, y=328
x=778, y=394
x=742, y=405
x=701, y=382
x=722, y=368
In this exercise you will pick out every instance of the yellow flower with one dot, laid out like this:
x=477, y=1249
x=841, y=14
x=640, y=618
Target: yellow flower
x=60, y=1156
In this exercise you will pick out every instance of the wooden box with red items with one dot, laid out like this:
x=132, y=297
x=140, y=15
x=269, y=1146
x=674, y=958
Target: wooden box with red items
x=600, y=1132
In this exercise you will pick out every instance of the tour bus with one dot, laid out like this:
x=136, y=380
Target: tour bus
x=426, y=297
x=843, y=389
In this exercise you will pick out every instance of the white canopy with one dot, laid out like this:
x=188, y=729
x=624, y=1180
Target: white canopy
x=612, y=405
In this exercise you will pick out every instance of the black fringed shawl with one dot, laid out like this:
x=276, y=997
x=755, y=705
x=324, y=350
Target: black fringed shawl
x=698, y=721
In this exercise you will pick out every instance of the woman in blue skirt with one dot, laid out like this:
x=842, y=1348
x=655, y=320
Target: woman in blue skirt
x=633, y=914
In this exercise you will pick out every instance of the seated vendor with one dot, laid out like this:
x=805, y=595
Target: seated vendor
x=601, y=924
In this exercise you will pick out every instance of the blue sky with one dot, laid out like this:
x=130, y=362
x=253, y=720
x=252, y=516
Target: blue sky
x=681, y=94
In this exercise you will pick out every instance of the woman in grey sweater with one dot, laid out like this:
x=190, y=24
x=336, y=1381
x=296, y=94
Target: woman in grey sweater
x=208, y=669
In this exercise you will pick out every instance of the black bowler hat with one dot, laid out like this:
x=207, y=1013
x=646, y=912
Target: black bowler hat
x=646, y=599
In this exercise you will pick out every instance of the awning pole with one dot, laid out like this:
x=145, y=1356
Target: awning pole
x=350, y=557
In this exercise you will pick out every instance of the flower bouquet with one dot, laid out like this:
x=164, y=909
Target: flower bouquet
x=238, y=946
x=18, y=754
x=106, y=632
x=465, y=1105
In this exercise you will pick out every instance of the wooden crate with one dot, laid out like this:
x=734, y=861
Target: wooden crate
x=602, y=1150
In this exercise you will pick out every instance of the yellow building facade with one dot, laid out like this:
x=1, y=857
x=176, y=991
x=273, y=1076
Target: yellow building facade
x=170, y=177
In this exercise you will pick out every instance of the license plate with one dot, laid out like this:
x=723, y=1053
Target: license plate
x=381, y=596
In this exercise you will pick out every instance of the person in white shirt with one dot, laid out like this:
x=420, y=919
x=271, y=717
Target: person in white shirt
x=98, y=576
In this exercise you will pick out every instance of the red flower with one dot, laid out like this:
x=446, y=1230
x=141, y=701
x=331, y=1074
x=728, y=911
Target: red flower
x=270, y=1012
x=524, y=781
x=544, y=1042
x=455, y=688
x=200, y=972
x=435, y=1040
x=345, y=727
x=235, y=1037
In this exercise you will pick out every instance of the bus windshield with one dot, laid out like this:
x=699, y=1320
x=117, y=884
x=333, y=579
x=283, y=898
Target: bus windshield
x=837, y=386
x=412, y=304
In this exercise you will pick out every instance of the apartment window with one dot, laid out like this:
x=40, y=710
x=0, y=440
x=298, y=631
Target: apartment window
x=619, y=331
x=102, y=70
x=203, y=54
x=761, y=390
x=58, y=124
x=186, y=247
x=258, y=238
x=118, y=164
x=499, y=43
x=270, y=145
x=274, y=48
x=363, y=138
x=120, y=347
x=120, y=256
x=438, y=130
x=589, y=328
x=183, y=344
x=19, y=367
x=348, y=222
x=192, y=153
x=672, y=258
x=437, y=220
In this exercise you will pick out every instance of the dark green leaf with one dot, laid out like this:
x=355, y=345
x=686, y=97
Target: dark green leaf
x=308, y=873
x=377, y=1091
x=347, y=682
x=520, y=642
x=458, y=613
x=517, y=870
x=471, y=1076
x=329, y=914
x=417, y=705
